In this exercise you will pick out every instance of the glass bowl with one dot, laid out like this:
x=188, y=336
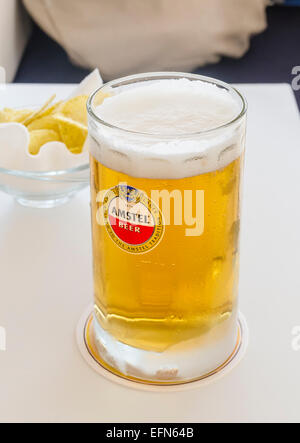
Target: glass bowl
x=44, y=189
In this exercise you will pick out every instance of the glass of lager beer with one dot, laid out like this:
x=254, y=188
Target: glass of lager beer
x=166, y=155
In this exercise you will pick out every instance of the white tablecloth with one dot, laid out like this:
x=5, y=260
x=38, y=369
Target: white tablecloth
x=46, y=283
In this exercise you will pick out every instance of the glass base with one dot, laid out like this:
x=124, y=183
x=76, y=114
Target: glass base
x=207, y=358
x=44, y=204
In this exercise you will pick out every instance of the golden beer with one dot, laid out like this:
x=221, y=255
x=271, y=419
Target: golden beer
x=183, y=287
x=165, y=230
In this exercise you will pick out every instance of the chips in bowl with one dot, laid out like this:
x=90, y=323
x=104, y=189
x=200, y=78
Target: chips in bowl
x=44, y=156
x=54, y=133
x=62, y=122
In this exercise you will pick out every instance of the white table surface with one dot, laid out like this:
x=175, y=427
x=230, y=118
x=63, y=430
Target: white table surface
x=46, y=283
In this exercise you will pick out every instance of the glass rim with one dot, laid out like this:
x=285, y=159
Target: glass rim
x=123, y=81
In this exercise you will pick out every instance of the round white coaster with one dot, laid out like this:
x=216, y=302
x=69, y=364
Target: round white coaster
x=235, y=359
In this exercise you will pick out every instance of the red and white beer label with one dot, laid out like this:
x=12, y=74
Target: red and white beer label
x=133, y=221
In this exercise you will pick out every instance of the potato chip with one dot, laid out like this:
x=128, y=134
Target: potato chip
x=72, y=133
x=49, y=111
x=10, y=112
x=39, y=137
x=37, y=113
x=75, y=109
x=14, y=115
x=4, y=117
x=76, y=150
x=47, y=122
x=20, y=115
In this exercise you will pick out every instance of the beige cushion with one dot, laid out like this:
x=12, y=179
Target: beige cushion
x=129, y=36
x=14, y=33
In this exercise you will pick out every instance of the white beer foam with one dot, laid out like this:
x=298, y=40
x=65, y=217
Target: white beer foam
x=164, y=128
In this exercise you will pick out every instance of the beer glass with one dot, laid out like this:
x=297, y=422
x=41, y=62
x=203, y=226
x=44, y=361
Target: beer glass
x=165, y=229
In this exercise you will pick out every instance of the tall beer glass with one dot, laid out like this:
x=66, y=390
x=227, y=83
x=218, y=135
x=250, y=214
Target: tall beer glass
x=166, y=154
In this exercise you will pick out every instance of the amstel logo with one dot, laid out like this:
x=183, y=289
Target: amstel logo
x=132, y=220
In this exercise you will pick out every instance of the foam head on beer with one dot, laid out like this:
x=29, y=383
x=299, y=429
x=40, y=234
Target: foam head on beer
x=176, y=120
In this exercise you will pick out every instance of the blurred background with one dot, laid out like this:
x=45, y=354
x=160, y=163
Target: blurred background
x=239, y=41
